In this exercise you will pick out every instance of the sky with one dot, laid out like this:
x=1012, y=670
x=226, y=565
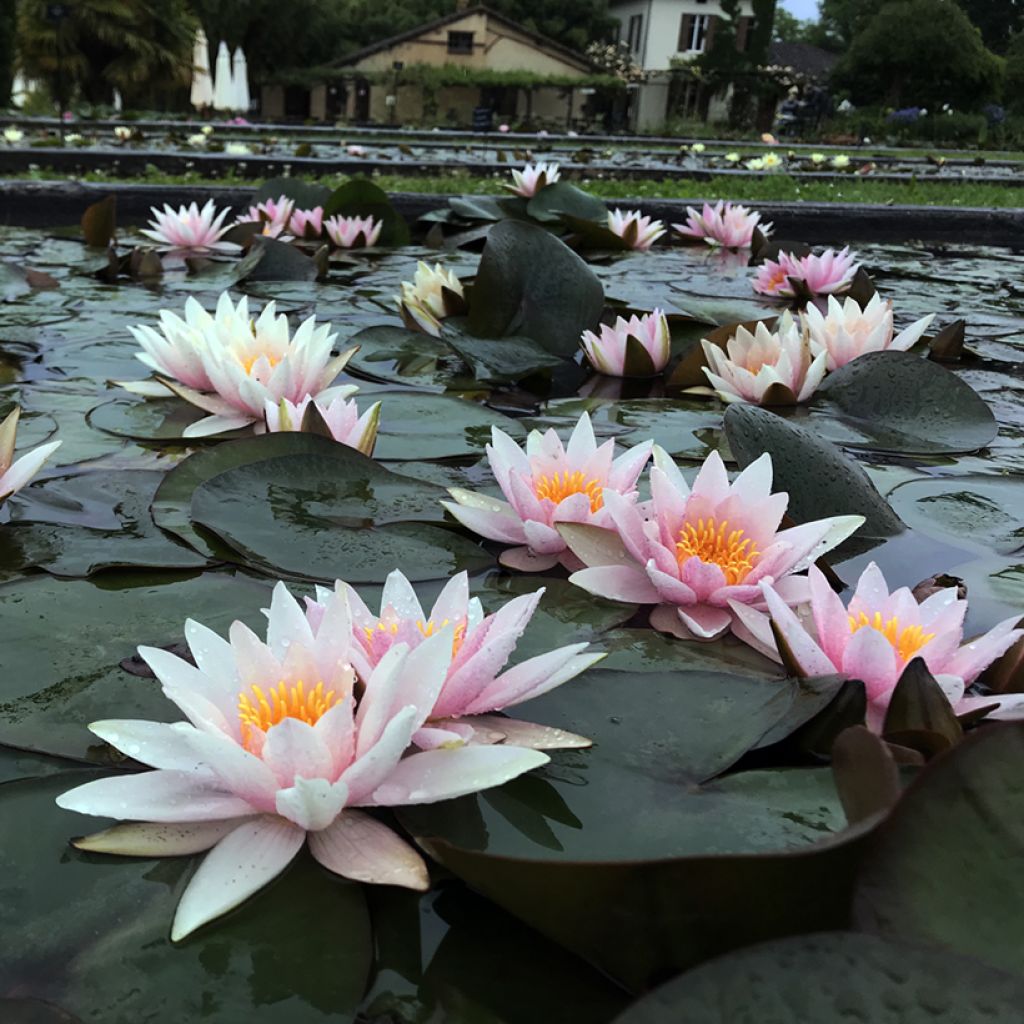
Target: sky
x=801, y=8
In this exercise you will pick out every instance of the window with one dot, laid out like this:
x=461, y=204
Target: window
x=699, y=32
x=460, y=42
x=636, y=28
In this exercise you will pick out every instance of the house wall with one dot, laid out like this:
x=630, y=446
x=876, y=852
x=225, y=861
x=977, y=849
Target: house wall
x=662, y=20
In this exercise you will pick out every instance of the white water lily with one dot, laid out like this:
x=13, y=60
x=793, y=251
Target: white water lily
x=340, y=416
x=532, y=178
x=849, y=330
x=636, y=230
x=431, y=296
x=280, y=750
x=15, y=473
x=13, y=135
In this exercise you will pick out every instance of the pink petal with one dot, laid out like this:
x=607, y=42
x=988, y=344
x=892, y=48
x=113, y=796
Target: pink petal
x=617, y=583
x=871, y=658
x=704, y=621
x=810, y=658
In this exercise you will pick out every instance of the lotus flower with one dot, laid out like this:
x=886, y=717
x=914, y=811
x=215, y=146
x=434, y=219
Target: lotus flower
x=611, y=353
x=346, y=232
x=727, y=224
x=432, y=296
x=532, y=178
x=777, y=367
x=341, y=417
x=122, y=132
x=307, y=223
x=250, y=362
x=546, y=485
x=771, y=161
x=879, y=634
x=274, y=212
x=695, y=553
x=15, y=474
x=820, y=275
x=269, y=759
x=848, y=330
x=13, y=135
x=189, y=229
x=637, y=231
x=475, y=685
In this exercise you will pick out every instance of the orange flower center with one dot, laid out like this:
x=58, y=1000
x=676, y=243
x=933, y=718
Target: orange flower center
x=778, y=280
x=260, y=710
x=560, y=486
x=250, y=360
x=732, y=551
x=907, y=641
x=428, y=628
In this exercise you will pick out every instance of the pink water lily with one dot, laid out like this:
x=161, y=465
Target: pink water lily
x=307, y=223
x=532, y=178
x=275, y=213
x=765, y=367
x=726, y=224
x=610, y=351
x=820, y=275
x=636, y=230
x=190, y=229
x=475, y=686
x=849, y=330
x=15, y=473
x=878, y=634
x=280, y=750
x=547, y=484
x=249, y=362
x=340, y=416
x=696, y=553
x=353, y=232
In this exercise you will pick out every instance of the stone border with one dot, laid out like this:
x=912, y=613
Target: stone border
x=47, y=204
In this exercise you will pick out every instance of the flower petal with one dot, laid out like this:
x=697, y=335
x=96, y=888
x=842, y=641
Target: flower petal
x=148, y=839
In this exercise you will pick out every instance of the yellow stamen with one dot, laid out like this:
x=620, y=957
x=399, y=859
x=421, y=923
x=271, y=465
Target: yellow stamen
x=561, y=485
x=907, y=641
x=249, y=361
x=428, y=628
x=260, y=710
x=733, y=552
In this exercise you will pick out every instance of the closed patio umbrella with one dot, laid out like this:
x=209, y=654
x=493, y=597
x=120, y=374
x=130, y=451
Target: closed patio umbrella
x=223, y=85
x=202, y=85
x=240, y=75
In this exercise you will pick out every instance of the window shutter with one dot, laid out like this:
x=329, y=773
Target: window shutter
x=709, y=39
x=685, y=32
x=743, y=34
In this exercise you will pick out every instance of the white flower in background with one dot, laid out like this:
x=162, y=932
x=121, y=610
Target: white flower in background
x=198, y=140
x=189, y=229
x=356, y=150
x=757, y=164
x=122, y=132
x=207, y=129
x=237, y=149
x=341, y=417
x=771, y=161
x=73, y=139
x=733, y=158
x=13, y=135
x=841, y=162
x=14, y=474
x=637, y=231
x=698, y=148
x=818, y=158
x=532, y=178
x=431, y=296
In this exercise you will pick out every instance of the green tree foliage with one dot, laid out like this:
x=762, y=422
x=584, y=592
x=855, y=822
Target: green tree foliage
x=997, y=20
x=840, y=21
x=8, y=21
x=920, y=53
x=1014, y=88
x=141, y=47
x=790, y=29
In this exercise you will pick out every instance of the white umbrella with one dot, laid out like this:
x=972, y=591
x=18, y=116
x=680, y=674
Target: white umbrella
x=202, y=86
x=19, y=90
x=223, y=86
x=240, y=76
x=118, y=102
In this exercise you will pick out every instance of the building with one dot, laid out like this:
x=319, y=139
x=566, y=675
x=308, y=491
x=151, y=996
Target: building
x=442, y=72
x=660, y=33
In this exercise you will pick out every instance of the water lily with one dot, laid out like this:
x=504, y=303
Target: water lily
x=766, y=367
x=848, y=330
x=307, y=223
x=547, y=484
x=249, y=362
x=353, y=232
x=431, y=296
x=818, y=158
x=878, y=634
x=475, y=686
x=757, y=164
x=274, y=212
x=638, y=347
x=696, y=552
x=637, y=231
x=207, y=129
x=198, y=140
x=340, y=416
x=819, y=275
x=237, y=149
x=532, y=178
x=733, y=158
x=122, y=132
x=74, y=139
x=771, y=161
x=189, y=229
x=841, y=162
x=728, y=224
x=504, y=129
x=356, y=150
x=15, y=473
x=13, y=135
x=278, y=751
x=698, y=148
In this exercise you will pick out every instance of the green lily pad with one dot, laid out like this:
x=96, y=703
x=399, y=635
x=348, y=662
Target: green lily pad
x=563, y=198
x=399, y=356
x=833, y=979
x=306, y=194
x=161, y=419
x=945, y=869
x=898, y=402
x=112, y=959
x=499, y=360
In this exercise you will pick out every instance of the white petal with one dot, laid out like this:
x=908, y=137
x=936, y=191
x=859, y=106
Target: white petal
x=146, y=839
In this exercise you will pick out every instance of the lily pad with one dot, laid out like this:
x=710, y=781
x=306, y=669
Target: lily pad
x=563, y=198
x=398, y=356
x=158, y=419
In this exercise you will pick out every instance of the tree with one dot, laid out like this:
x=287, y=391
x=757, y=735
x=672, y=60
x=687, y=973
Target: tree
x=789, y=28
x=141, y=47
x=1015, y=73
x=840, y=21
x=8, y=21
x=945, y=63
x=997, y=20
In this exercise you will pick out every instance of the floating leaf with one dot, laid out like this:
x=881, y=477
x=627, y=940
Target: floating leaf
x=99, y=222
x=563, y=198
x=271, y=260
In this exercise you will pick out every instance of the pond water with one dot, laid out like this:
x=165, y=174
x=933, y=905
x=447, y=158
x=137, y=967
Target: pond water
x=700, y=772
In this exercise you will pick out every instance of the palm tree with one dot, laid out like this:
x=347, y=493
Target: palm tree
x=143, y=48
